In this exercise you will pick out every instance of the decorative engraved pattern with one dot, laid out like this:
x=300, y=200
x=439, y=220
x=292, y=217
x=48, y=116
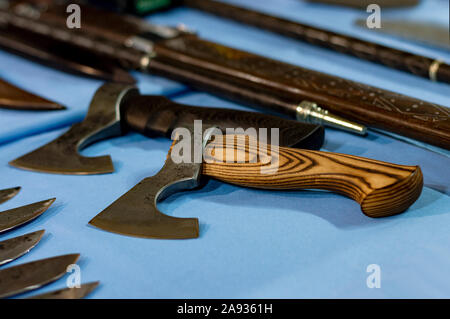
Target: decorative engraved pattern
x=302, y=81
x=370, y=51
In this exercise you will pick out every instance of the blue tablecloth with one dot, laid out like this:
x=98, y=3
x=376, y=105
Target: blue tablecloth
x=252, y=243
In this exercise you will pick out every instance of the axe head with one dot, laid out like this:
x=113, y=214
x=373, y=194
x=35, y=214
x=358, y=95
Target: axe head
x=136, y=213
x=102, y=121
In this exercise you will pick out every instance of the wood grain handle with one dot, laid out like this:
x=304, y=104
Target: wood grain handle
x=382, y=189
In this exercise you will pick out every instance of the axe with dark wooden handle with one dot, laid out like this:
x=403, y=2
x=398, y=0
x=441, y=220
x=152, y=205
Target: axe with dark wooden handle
x=382, y=189
x=117, y=108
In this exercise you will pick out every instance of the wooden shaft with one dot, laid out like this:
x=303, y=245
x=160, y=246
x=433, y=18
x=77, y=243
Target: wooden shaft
x=382, y=189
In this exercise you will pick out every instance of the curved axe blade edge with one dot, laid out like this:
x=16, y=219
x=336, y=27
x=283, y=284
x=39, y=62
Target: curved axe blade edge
x=61, y=156
x=136, y=214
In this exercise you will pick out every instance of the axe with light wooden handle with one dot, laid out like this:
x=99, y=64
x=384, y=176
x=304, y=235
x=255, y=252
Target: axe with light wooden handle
x=382, y=189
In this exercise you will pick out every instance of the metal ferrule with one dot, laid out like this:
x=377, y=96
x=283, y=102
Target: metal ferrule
x=140, y=44
x=310, y=112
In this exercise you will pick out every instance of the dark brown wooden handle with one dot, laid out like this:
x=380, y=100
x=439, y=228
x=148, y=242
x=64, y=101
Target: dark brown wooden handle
x=292, y=84
x=157, y=115
x=382, y=189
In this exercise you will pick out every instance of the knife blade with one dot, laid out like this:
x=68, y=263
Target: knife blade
x=15, y=217
x=7, y=194
x=33, y=275
x=13, y=248
x=69, y=293
x=426, y=32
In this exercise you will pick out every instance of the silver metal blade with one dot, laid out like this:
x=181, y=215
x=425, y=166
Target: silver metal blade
x=69, y=293
x=12, y=218
x=15, y=247
x=426, y=32
x=33, y=275
x=7, y=194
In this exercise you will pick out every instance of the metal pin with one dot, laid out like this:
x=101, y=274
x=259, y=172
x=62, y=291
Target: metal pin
x=310, y=112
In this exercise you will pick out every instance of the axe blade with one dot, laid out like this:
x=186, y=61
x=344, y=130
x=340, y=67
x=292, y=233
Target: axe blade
x=136, y=214
x=61, y=155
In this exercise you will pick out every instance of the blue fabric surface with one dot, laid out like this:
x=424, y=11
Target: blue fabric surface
x=252, y=243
